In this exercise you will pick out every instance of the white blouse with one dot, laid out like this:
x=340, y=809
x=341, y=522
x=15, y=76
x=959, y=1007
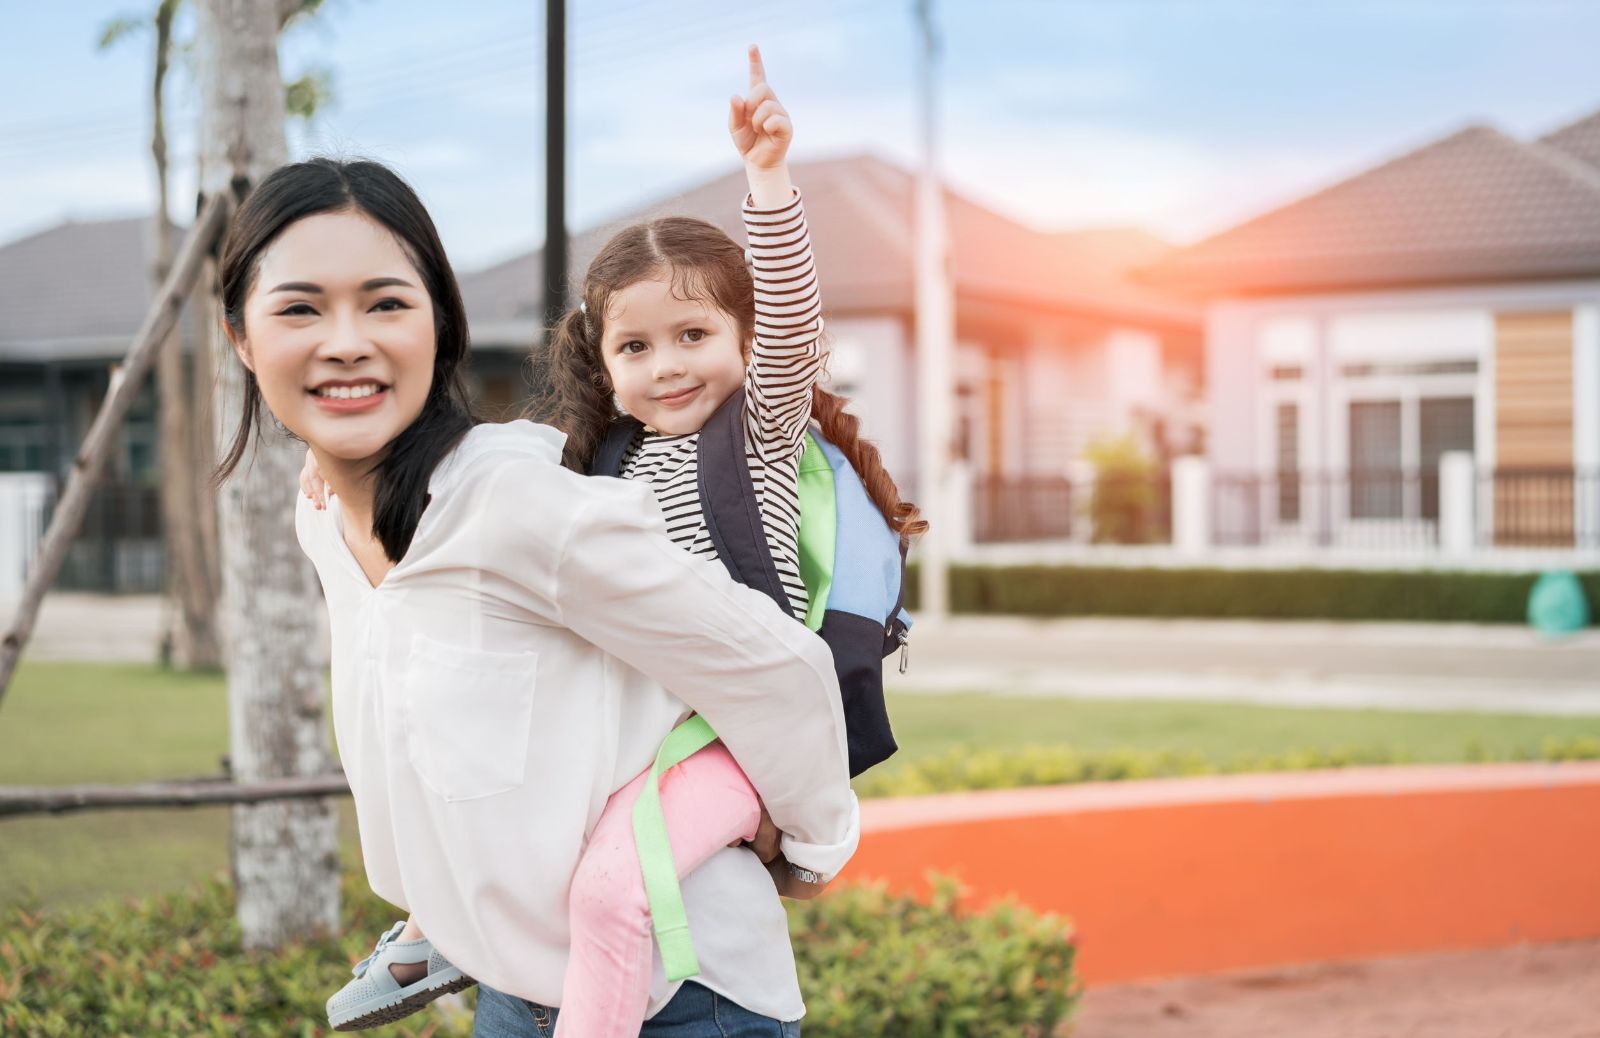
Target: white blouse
x=512, y=672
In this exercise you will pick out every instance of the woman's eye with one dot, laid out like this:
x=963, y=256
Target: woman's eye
x=694, y=334
x=297, y=310
x=389, y=305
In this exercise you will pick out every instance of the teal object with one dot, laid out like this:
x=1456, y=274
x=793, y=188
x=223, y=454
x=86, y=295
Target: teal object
x=1557, y=605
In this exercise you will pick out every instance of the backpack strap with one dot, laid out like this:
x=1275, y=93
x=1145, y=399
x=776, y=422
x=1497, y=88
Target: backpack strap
x=667, y=915
x=608, y=458
x=819, y=523
x=728, y=499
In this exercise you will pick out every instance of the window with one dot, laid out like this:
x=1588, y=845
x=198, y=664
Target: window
x=1444, y=424
x=1288, y=463
x=1375, y=470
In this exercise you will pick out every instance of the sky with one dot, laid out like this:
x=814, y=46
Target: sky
x=1180, y=117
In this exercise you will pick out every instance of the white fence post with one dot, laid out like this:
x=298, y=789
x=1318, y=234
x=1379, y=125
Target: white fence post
x=24, y=499
x=1191, y=504
x=1458, y=491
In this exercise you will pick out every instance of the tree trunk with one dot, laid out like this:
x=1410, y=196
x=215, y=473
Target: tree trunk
x=284, y=854
x=191, y=636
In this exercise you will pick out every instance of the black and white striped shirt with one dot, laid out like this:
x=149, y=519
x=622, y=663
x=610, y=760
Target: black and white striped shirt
x=786, y=360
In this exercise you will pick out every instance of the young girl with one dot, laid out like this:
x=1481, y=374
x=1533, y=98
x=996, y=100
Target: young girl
x=675, y=319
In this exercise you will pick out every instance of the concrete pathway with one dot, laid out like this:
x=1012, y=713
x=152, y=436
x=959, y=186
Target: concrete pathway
x=1291, y=663
x=1548, y=991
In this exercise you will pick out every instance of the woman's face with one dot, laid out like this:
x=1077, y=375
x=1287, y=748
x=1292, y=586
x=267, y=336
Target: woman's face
x=339, y=330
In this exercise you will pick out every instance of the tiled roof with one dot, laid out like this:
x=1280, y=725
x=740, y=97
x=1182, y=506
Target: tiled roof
x=66, y=290
x=1477, y=205
x=861, y=214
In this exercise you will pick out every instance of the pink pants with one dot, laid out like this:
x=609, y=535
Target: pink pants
x=708, y=804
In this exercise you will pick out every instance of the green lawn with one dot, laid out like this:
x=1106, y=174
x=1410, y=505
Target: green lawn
x=67, y=723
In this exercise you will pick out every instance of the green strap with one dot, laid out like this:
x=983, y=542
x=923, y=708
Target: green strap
x=667, y=916
x=818, y=527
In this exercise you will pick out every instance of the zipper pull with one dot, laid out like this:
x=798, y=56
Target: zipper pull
x=905, y=650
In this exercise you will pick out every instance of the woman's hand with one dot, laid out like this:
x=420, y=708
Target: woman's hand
x=791, y=886
x=761, y=131
x=765, y=841
x=312, y=485
x=765, y=844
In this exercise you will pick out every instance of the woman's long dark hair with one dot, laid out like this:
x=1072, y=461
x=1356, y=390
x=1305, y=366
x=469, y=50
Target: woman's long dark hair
x=301, y=189
x=705, y=264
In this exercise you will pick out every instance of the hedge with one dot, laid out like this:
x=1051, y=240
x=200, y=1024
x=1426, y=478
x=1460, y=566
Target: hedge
x=870, y=963
x=968, y=768
x=1296, y=594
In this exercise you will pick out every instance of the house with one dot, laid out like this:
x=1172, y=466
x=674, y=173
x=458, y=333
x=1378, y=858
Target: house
x=1445, y=301
x=1056, y=343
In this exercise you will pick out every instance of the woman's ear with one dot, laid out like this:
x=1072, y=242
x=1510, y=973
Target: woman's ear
x=240, y=346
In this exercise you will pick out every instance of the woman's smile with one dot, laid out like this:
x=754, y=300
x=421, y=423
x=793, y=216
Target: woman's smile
x=349, y=397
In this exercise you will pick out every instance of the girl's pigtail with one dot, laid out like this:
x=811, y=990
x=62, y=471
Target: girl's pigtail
x=843, y=430
x=578, y=394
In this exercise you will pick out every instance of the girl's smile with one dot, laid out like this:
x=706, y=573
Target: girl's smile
x=671, y=361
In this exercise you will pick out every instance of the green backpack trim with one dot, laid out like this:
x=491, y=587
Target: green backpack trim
x=818, y=530
x=667, y=915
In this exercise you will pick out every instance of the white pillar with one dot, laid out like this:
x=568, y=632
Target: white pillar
x=958, y=516
x=1191, y=504
x=1458, y=489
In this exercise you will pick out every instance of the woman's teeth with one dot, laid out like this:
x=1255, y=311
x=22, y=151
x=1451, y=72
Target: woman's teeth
x=348, y=392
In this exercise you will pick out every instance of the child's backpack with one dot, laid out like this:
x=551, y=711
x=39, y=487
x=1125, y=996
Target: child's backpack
x=853, y=566
x=852, y=563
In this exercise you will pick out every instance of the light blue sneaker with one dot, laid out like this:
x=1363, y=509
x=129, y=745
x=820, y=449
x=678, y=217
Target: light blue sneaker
x=374, y=997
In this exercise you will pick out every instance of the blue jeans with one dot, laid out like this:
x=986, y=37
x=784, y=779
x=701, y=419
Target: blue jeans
x=694, y=1012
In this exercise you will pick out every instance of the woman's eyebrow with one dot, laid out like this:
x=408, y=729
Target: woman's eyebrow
x=366, y=286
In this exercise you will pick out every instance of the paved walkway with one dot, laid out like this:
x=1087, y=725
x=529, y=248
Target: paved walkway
x=1393, y=666
x=1548, y=991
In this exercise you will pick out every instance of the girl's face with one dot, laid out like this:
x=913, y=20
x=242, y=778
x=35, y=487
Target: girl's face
x=338, y=328
x=671, y=361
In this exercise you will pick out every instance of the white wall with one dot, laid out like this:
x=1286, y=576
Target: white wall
x=870, y=363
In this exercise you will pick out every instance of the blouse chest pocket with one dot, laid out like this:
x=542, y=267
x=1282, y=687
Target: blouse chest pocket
x=468, y=715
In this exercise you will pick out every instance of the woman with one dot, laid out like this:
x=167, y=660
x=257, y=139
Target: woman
x=505, y=632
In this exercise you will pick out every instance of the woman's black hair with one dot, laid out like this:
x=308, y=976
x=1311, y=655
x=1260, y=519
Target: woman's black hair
x=322, y=185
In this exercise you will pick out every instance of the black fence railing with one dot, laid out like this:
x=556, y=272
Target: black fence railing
x=1539, y=508
x=1377, y=509
x=1131, y=509
x=119, y=548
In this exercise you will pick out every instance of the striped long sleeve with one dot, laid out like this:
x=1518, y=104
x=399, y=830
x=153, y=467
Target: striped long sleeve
x=787, y=354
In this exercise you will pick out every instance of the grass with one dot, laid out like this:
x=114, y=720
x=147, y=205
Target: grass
x=69, y=723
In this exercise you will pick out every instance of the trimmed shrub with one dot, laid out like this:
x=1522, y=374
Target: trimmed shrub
x=1299, y=594
x=969, y=768
x=876, y=964
x=870, y=963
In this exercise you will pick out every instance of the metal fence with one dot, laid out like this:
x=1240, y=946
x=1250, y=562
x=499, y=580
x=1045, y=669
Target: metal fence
x=120, y=548
x=1132, y=509
x=1372, y=509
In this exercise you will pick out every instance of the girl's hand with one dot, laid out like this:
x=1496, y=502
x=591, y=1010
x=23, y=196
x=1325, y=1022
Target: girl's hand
x=758, y=122
x=312, y=485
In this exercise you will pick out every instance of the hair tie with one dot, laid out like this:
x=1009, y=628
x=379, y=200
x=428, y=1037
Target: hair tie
x=583, y=307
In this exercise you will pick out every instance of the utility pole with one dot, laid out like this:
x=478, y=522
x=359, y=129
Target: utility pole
x=554, y=256
x=935, y=333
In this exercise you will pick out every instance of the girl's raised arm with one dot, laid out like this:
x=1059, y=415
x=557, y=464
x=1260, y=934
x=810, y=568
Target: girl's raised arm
x=787, y=351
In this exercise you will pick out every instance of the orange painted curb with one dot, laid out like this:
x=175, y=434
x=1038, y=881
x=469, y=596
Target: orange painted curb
x=1180, y=876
